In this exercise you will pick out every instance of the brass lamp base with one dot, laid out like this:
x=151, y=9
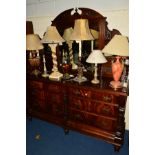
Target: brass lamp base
x=35, y=72
x=55, y=76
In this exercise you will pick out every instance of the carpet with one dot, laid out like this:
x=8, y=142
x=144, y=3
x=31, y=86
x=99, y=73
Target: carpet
x=43, y=138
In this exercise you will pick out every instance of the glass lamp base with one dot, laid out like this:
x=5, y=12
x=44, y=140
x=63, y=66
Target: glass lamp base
x=80, y=79
x=66, y=76
x=115, y=84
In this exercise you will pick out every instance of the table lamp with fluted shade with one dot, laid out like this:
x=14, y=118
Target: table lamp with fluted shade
x=119, y=47
x=96, y=57
x=81, y=32
x=53, y=38
x=33, y=44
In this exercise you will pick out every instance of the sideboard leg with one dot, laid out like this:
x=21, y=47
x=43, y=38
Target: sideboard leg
x=117, y=148
x=30, y=118
x=66, y=131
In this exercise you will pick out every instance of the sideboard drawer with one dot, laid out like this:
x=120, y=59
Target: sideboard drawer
x=35, y=93
x=76, y=103
x=93, y=120
x=57, y=110
x=54, y=88
x=77, y=116
x=35, y=84
x=55, y=98
x=93, y=106
x=105, y=97
x=80, y=92
x=38, y=105
x=104, y=109
x=104, y=123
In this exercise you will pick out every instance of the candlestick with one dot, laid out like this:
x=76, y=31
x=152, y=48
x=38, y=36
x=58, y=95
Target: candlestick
x=45, y=70
x=92, y=45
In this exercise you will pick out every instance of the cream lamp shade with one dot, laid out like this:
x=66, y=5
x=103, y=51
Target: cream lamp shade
x=52, y=36
x=33, y=42
x=67, y=33
x=118, y=45
x=81, y=30
x=96, y=56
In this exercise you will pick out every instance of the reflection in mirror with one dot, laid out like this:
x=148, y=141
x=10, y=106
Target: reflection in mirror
x=66, y=35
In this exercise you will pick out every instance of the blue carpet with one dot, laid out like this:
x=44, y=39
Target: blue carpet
x=53, y=141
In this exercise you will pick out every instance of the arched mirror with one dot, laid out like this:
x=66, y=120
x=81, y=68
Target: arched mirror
x=97, y=24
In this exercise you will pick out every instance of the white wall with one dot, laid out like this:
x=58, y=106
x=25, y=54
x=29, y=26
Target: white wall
x=41, y=13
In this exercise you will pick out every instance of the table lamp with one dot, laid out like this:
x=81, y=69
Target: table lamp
x=53, y=38
x=118, y=46
x=33, y=44
x=81, y=32
x=66, y=35
x=96, y=57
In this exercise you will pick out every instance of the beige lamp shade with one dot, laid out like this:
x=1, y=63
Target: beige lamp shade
x=67, y=33
x=81, y=30
x=94, y=33
x=96, y=56
x=118, y=45
x=33, y=42
x=52, y=36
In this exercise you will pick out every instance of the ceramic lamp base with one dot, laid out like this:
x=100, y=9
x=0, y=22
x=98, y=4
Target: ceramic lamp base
x=115, y=84
x=74, y=66
x=56, y=76
x=95, y=81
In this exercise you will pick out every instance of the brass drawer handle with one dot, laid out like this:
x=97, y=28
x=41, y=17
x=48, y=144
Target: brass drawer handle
x=77, y=116
x=107, y=98
x=57, y=110
x=106, y=110
x=77, y=92
x=86, y=94
x=77, y=105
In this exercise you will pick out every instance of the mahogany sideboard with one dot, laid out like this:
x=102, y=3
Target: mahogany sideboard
x=95, y=110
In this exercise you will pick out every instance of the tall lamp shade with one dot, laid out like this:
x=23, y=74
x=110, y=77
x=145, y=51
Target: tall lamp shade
x=118, y=46
x=81, y=30
x=53, y=38
x=96, y=57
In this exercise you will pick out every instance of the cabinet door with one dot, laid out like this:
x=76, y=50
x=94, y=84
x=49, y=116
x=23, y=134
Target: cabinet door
x=36, y=96
x=55, y=100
